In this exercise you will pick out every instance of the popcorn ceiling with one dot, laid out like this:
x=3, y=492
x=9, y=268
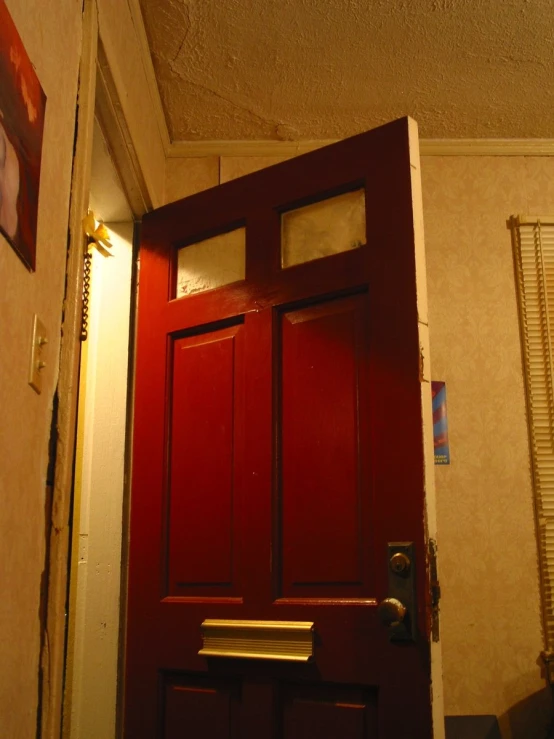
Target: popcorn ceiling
x=316, y=69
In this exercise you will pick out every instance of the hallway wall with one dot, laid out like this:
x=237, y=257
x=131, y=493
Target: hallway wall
x=52, y=35
x=53, y=42
x=490, y=612
x=492, y=632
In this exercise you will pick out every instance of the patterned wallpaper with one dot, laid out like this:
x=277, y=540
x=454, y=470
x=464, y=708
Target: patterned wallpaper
x=491, y=623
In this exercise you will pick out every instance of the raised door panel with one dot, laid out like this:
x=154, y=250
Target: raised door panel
x=329, y=712
x=200, y=708
x=205, y=446
x=324, y=481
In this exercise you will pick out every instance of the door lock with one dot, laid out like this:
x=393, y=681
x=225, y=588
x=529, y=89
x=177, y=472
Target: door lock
x=400, y=563
x=398, y=610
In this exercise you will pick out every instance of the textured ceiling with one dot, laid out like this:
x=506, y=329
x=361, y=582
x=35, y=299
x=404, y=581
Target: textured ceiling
x=317, y=69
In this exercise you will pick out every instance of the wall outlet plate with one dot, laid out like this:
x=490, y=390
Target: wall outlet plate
x=38, y=364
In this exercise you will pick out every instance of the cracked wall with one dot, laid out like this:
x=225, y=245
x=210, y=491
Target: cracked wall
x=53, y=42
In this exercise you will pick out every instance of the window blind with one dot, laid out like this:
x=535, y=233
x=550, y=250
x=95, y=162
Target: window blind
x=533, y=247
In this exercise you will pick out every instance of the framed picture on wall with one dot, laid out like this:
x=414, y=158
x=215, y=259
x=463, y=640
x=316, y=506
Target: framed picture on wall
x=22, y=109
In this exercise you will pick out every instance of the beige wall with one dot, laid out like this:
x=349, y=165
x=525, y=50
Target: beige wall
x=490, y=621
x=51, y=34
x=491, y=624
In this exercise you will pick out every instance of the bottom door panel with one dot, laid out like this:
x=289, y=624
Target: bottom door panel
x=200, y=707
x=329, y=712
x=242, y=707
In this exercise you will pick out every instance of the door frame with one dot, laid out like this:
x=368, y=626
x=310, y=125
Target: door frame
x=52, y=659
x=98, y=94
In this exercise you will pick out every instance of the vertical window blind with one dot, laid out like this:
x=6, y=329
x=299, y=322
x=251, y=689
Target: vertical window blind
x=533, y=248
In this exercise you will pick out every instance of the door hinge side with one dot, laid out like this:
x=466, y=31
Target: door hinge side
x=435, y=591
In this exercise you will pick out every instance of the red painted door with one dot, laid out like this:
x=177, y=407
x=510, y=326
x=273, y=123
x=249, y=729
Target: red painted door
x=277, y=453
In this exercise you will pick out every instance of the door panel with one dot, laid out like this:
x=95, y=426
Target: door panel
x=326, y=712
x=324, y=533
x=207, y=708
x=277, y=451
x=206, y=444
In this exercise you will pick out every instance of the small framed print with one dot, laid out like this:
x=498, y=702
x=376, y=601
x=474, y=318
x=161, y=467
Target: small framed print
x=22, y=110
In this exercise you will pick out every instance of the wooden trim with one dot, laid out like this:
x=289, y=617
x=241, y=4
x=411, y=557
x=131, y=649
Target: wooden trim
x=153, y=89
x=108, y=109
x=95, y=97
x=428, y=147
x=185, y=149
x=488, y=147
x=53, y=655
x=118, y=137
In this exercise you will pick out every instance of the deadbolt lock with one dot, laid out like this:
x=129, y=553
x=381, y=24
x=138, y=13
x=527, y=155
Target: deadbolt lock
x=400, y=563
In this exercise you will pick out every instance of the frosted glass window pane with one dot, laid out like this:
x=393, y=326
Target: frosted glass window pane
x=211, y=263
x=321, y=229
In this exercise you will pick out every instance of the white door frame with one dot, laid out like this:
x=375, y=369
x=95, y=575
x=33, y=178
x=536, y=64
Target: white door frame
x=97, y=93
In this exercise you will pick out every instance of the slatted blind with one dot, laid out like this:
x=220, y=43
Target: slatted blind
x=533, y=245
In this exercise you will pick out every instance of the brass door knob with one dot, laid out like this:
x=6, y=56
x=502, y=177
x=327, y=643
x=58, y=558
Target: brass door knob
x=391, y=611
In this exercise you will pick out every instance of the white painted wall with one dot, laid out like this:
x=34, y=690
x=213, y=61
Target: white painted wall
x=99, y=485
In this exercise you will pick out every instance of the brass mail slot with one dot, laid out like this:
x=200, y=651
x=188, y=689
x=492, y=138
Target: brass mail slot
x=290, y=641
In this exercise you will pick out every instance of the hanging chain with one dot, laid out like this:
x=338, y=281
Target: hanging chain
x=98, y=237
x=86, y=295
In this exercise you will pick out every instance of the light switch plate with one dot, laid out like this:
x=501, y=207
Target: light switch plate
x=38, y=363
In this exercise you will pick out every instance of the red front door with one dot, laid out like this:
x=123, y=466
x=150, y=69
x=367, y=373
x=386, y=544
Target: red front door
x=278, y=455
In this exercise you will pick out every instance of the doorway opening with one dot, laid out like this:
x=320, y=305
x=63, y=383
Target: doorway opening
x=101, y=461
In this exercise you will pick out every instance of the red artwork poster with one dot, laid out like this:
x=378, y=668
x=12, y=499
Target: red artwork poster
x=22, y=108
